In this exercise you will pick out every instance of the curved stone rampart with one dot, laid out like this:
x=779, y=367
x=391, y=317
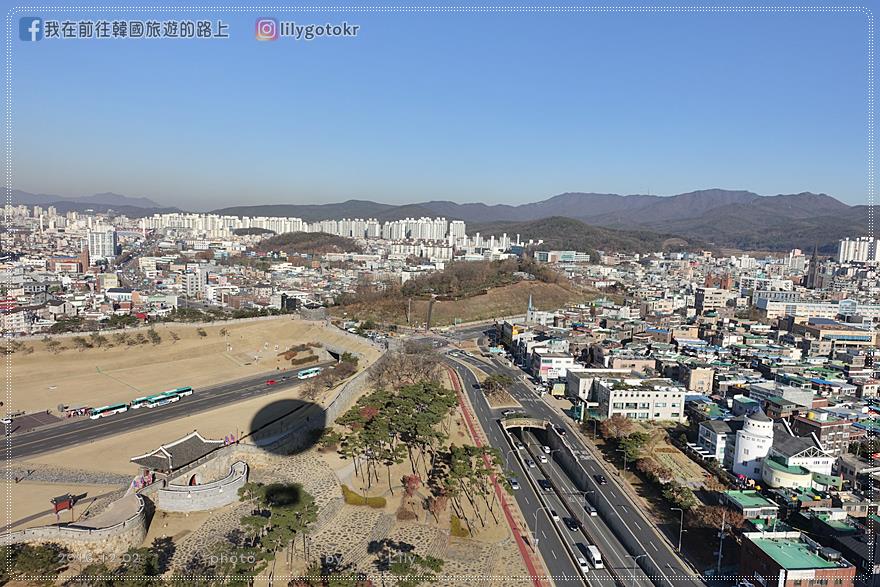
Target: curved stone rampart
x=197, y=498
x=107, y=536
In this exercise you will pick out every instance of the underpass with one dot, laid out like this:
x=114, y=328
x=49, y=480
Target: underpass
x=571, y=501
x=622, y=519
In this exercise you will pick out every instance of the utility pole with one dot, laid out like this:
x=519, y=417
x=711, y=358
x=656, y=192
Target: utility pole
x=721, y=536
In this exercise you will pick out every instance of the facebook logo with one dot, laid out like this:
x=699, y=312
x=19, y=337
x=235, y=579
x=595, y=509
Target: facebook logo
x=30, y=28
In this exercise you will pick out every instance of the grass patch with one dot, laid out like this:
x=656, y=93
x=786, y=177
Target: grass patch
x=353, y=498
x=457, y=528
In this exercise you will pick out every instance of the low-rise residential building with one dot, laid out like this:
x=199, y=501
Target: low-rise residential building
x=548, y=365
x=791, y=559
x=834, y=434
x=751, y=504
x=714, y=435
x=640, y=399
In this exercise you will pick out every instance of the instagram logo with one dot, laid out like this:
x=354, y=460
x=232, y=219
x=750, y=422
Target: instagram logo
x=267, y=29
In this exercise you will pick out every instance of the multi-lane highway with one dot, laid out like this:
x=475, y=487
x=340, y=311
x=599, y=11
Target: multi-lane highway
x=629, y=524
x=82, y=430
x=569, y=501
x=556, y=556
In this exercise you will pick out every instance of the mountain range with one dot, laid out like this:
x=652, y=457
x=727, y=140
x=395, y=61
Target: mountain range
x=713, y=217
x=97, y=202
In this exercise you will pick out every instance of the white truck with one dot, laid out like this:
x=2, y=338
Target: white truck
x=595, y=556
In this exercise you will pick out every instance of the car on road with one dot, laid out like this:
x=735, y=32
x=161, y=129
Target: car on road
x=514, y=484
x=554, y=516
x=519, y=445
x=546, y=449
x=572, y=524
x=600, y=479
x=507, y=412
x=559, y=430
x=6, y=421
x=582, y=564
x=271, y=382
x=545, y=485
x=530, y=464
x=542, y=458
x=591, y=511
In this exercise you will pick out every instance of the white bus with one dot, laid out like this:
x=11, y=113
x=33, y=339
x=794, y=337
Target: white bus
x=107, y=411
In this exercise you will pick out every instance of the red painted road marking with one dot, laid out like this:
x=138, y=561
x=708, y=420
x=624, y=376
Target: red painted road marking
x=523, y=549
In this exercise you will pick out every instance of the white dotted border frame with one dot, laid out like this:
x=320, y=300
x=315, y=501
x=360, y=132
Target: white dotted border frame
x=14, y=11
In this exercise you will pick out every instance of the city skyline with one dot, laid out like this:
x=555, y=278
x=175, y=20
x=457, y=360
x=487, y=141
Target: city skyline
x=543, y=105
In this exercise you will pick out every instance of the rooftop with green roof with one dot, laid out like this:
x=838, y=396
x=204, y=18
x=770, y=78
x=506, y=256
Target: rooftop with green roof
x=777, y=464
x=836, y=524
x=792, y=554
x=749, y=499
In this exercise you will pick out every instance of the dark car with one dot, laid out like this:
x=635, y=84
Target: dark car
x=572, y=524
x=545, y=485
x=600, y=479
x=560, y=430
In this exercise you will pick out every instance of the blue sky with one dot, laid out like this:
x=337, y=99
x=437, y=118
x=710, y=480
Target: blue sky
x=467, y=107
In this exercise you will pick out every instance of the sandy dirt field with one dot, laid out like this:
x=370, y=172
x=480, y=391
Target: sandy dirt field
x=29, y=498
x=99, y=376
x=174, y=525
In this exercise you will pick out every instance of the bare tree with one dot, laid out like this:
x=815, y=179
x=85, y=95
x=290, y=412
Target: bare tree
x=413, y=364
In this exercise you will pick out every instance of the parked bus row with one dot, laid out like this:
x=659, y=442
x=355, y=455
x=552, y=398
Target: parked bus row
x=149, y=401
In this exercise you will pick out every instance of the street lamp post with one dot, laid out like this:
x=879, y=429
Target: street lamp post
x=635, y=559
x=680, y=525
x=535, y=531
x=623, y=471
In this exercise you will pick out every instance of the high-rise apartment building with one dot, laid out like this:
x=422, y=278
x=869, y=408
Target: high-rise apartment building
x=102, y=243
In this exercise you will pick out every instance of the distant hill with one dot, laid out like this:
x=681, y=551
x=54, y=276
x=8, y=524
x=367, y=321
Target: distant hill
x=134, y=207
x=778, y=223
x=561, y=233
x=308, y=243
x=251, y=231
x=312, y=212
x=105, y=198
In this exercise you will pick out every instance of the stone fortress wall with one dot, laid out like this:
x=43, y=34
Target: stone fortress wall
x=107, y=536
x=181, y=497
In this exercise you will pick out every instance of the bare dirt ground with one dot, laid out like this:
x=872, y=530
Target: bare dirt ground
x=28, y=502
x=686, y=471
x=93, y=377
